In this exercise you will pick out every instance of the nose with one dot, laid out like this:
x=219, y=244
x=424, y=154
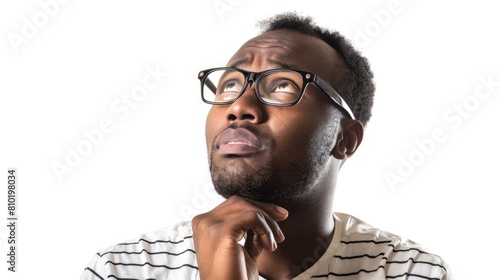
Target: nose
x=247, y=107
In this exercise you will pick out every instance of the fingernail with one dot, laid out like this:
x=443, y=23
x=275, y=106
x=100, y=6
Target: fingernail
x=282, y=210
x=281, y=236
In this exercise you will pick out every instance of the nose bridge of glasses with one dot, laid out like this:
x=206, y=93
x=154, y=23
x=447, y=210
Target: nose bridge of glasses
x=251, y=80
x=251, y=77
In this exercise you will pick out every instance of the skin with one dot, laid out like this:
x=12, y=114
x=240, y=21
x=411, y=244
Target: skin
x=301, y=149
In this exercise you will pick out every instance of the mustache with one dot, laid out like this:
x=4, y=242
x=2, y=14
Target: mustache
x=246, y=126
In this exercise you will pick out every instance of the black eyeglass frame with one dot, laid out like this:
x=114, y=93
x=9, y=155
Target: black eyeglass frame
x=254, y=77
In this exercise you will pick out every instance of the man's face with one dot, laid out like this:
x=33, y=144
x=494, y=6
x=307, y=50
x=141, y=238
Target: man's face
x=270, y=153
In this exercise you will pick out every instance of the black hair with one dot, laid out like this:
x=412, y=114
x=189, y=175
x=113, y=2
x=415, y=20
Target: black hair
x=356, y=86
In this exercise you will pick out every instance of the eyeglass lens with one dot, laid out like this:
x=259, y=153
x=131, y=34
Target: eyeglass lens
x=275, y=87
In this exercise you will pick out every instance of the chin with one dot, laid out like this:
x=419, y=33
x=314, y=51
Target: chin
x=260, y=184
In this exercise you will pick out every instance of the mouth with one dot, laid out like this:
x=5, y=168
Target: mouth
x=238, y=142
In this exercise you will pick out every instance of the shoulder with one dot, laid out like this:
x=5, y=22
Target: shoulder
x=180, y=233
x=168, y=251
x=172, y=240
x=368, y=248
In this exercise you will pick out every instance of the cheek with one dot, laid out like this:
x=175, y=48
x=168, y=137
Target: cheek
x=211, y=125
x=294, y=133
x=300, y=134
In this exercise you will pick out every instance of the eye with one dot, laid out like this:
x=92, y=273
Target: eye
x=228, y=90
x=281, y=91
x=285, y=86
x=231, y=86
x=280, y=87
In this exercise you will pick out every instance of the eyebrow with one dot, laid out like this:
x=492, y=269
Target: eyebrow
x=272, y=62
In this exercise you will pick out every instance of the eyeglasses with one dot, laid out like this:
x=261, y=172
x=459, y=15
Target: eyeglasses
x=276, y=87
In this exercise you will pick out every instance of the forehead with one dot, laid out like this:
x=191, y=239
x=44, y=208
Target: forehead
x=287, y=49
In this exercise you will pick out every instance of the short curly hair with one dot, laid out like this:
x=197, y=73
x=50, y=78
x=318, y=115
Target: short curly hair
x=356, y=86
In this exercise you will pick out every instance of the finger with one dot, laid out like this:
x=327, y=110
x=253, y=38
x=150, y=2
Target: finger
x=270, y=212
x=237, y=202
x=253, y=245
x=273, y=213
x=278, y=213
x=264, y=229
x=244, y=215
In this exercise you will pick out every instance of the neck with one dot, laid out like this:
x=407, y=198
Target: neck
x=308, y=231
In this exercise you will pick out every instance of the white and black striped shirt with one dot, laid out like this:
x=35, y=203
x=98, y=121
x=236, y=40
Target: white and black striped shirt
x=357, y=251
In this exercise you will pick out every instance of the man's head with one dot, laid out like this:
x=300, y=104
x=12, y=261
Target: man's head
x=355, y=84
x=282, y=154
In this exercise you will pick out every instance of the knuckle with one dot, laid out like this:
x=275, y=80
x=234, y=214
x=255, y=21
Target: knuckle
x=234, y=199
x=196, y=220
x=256, y=218
x=200, y=222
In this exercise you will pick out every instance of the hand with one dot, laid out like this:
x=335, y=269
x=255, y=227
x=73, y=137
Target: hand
x=217, y=232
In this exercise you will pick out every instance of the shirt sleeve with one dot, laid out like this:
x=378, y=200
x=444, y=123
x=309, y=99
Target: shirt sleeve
x=448, y=275
x=95, y=270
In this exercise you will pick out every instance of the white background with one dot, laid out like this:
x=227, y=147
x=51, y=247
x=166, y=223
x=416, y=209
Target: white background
x=63, y=76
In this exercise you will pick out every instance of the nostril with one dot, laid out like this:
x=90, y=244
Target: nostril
x=248, y=116
x=232, y=117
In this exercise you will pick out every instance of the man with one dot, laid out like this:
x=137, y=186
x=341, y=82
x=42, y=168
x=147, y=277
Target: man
x=288, y=109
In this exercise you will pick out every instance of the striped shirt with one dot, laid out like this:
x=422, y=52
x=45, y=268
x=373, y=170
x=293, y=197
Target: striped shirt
x=357, y=251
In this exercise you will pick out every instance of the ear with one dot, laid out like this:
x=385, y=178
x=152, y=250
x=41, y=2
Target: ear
x=348, y=139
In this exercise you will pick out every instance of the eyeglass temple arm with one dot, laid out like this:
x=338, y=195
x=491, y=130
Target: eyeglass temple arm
x=335, y=96
x=210, y=85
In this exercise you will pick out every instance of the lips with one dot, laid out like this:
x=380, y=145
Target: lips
x=238, y=142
